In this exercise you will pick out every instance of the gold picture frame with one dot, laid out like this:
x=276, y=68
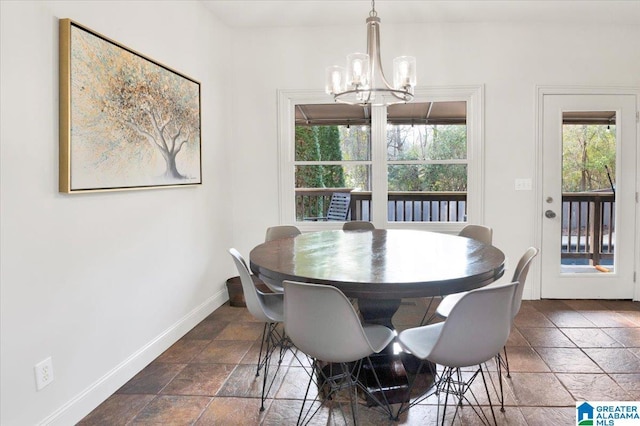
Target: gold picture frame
x=126, y=121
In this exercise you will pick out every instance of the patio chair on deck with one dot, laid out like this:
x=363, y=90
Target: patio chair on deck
x=338, y=208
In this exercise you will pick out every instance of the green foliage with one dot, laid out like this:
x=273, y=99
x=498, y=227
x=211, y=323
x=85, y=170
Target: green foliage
x=356, y=146
x=420, y=143
x=405, y=143
x=330, y=150
x=449, y=142
x=586, y=150
x=319, y=143
x=307, y=149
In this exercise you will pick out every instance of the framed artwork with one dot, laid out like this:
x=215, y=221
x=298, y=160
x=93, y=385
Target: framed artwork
x=126, y=121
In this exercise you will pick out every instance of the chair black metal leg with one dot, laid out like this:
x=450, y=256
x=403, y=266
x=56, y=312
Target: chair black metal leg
x=451, y=382
x=265, y=372
x=304, y=400
x=499, y=365
x=461, y=386
x=446, y=396
x=422, y=321
x=404, y=406
x=271, y=339
x=264, y=336
x=506, y=361
x=484, y=380
x=340, y=376
x=353, y=393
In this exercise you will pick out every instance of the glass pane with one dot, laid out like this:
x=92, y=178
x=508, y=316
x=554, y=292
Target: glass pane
x=333, y=143
x=427, y=177
x=313, y=195
x=426, y=142
x=588, y=194
x=427, y=193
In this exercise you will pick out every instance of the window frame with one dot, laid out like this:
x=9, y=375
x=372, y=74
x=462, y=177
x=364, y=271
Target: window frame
x=472, y=95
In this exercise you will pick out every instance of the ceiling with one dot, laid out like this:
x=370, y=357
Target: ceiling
x=317, y=13
x=309, y=13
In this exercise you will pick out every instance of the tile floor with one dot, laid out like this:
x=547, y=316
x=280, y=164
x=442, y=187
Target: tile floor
x=559, y=352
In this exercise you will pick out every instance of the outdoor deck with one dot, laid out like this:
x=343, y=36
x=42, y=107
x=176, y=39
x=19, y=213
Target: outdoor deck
x=588, y=228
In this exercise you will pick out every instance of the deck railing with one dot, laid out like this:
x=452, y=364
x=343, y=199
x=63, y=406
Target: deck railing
x=588, y=229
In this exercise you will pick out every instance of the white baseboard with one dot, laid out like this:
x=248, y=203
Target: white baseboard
x=83, y=403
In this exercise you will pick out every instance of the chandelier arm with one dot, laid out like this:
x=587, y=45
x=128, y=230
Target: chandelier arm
x=373, y=48
x=401, y=95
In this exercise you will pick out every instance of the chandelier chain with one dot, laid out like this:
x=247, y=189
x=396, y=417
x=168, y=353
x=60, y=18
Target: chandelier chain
x=373, y=9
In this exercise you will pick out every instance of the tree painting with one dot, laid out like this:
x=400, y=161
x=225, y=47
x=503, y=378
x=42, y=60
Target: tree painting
x=134, y=123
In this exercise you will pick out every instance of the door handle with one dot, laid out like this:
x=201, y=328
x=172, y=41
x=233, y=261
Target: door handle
x=550, y=214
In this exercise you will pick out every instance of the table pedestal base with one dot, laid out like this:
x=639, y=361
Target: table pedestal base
x=390, y=366
x=393, y=379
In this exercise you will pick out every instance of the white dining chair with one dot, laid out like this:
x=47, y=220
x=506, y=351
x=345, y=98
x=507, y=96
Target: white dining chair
x=481, y=233
x=475, y=331
x=519, y=274
x=358, y=225
x=322, y=323
x=266, y=307
x=275, y=233
x=281, y=231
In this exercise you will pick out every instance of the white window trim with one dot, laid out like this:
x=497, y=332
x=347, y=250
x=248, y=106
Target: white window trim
x=473, y=95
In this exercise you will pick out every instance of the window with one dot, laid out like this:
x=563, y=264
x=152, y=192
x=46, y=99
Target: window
x=331, y=155
x=415, y=164
x=427, y=162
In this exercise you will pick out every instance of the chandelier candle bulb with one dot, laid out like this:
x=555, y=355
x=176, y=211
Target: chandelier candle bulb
x=335, y=80
x=404, y=76
x=358, y=70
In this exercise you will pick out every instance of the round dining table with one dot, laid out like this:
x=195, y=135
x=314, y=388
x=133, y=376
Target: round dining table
x=380, y=267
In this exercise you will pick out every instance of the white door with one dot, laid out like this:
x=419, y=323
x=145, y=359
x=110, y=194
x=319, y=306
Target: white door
x=588, y=224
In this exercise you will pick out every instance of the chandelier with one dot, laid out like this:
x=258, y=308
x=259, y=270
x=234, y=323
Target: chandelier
x=363, y=81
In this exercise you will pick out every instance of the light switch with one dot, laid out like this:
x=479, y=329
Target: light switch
x=523, y=184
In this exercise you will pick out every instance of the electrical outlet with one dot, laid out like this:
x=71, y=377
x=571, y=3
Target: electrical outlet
x=44, y=373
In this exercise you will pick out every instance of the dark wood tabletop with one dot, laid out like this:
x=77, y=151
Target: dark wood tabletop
x=381, y=264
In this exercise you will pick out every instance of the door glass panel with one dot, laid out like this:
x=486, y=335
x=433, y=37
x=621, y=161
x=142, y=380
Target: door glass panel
x=588, y=191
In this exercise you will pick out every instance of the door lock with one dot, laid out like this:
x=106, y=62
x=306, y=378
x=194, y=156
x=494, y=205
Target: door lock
x=550, y=214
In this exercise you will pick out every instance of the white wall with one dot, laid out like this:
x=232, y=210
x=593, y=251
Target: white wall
x=102, y=283
x=509, y=60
